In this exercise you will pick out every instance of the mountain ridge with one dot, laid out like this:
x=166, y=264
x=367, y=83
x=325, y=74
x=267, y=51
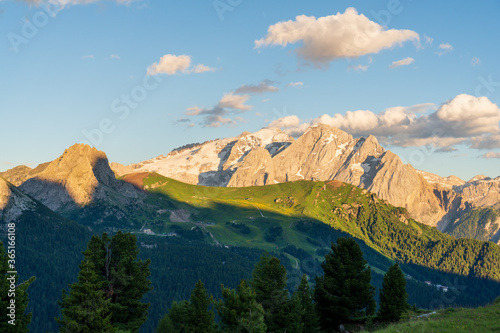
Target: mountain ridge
x=326, y=153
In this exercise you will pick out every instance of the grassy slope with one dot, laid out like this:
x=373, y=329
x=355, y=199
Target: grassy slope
x=383, y=227
x=484, y=319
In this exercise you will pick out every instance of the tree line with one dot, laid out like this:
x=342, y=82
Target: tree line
x=342, y=296
x=112, y=281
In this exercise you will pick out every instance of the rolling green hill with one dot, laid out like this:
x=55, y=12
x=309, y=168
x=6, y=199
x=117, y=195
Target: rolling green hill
x=274, y=216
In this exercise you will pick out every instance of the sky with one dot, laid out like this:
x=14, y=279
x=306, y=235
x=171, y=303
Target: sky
x=137, y=79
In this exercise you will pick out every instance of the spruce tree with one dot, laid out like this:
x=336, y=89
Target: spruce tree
x=269, y=283
x=239, y=311
x=393, y=296
x=308, y=315
x=192, y=316
x=201, y=317
x=85, y=309
x=125, y=278
x=344, y=291
x=21, y=319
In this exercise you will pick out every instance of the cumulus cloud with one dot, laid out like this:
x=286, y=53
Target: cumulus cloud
x=323, y=39
x=295, y=84
x=445, y=48
x=464, y=119
x=491, y=155
x=402, y=62
x=358, y=68
x=171, y=64
x=230, y=103
x=262, y=87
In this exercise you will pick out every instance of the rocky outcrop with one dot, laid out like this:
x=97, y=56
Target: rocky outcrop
x=12, y=202
x=77, y=178
x=481, y=190
x=256, y=170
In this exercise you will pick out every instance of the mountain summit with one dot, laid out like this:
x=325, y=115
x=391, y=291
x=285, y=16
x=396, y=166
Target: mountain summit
x=270, y=156
x=81, y=176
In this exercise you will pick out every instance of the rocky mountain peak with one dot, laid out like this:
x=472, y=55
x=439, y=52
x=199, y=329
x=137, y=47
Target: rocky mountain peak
x=76, y=177
x=5, y=193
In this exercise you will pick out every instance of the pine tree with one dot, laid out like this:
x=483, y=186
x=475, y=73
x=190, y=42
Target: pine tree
x=85, y=309
x=344, y=291
x=125, y=278
x=202, y=319
x=21, y=319
x=308, y=315
x=239, y=311
x=269, y=283
x=393, y=296
x=192, y=316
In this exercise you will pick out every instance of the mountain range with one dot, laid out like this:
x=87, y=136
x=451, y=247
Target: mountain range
x=270, y=156
x=267, y=191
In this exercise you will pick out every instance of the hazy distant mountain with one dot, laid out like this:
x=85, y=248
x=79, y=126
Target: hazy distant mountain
x=270, y=156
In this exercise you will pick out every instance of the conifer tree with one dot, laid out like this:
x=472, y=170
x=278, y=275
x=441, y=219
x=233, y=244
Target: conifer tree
x=308, y=315
x=85, y=309
x=124, y=278
x=201, y=317
x=269, y=283
x=192, y=316
x=19, y=297
x=393, y=296
x=239, y=311
x=344, y=291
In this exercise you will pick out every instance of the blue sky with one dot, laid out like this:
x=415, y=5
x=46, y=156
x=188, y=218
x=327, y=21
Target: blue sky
x=67, y=69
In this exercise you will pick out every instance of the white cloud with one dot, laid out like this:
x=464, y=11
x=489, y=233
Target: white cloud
x=428, y=40
x=202, y=69
x=464, y=119
x=402, y=62
x=262, y=87
x=445, y=48
x=89, y=56
x=228, y=104
x=295, y=84
x=171, y=64
x=114, y=56
x=233, y=101
x=475, y=61
x=347, y=35
x=358, y=68
x=491, y=155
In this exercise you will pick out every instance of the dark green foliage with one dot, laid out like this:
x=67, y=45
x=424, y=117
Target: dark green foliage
x=393, y=296
x=192, y=316
x=201, y=317
x=177, y=264
x=242, y=227
x=85, y=309
x=125, y=279
x=296, y=252
x=273, y=233
x=239, y=311
x=344, y=291
x=19, y=319
x=307, y=309
x=473, y=224
x=269, y=283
